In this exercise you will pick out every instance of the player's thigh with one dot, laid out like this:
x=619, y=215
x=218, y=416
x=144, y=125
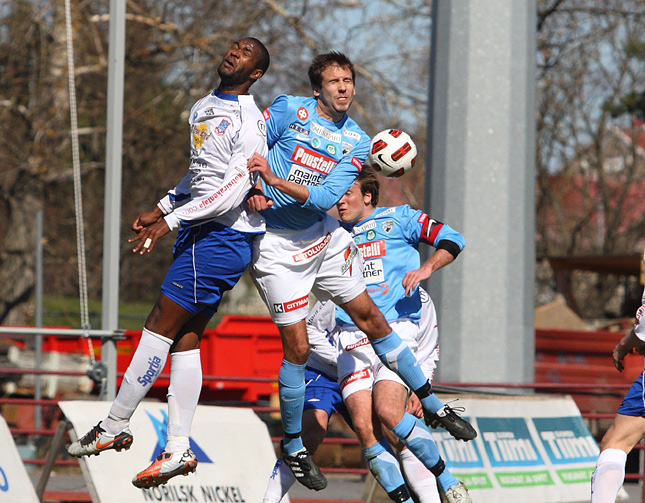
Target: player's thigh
x=624, y=433
x=283, y=285
x=340, y=268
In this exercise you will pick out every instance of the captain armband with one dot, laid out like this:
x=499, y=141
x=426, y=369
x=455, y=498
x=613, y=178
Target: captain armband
x=450, y=246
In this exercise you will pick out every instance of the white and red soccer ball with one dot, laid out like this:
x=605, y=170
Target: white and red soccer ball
x=392, y=153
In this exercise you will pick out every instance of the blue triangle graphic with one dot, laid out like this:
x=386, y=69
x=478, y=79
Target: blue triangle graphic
x=161, y=429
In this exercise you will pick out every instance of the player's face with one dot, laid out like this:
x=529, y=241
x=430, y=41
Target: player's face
x=240, y=63
x=354, y=206
x=336, y=93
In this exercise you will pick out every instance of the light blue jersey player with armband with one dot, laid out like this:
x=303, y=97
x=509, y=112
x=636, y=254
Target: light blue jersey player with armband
x=315, y=153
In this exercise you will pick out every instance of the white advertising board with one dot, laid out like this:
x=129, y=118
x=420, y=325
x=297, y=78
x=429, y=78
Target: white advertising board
x=232, y=445
x=534, y=450
x=15, y=484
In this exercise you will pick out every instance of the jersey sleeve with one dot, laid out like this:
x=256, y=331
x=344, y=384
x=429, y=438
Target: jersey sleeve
x=236, y=183
x=423, y=229
x=176, y=197
x=324, y=196
x=276, y=118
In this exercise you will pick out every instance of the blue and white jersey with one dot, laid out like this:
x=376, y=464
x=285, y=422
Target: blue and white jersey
x=389, y=243
x=308, y=150
x=225, y=131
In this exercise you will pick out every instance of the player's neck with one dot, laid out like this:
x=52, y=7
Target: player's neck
x=328, y=113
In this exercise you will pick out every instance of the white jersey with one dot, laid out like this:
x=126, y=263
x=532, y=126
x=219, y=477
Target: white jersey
x=225, y=131
x=322, y=333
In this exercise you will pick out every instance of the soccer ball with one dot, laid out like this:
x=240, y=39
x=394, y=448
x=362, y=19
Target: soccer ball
x=392, y=153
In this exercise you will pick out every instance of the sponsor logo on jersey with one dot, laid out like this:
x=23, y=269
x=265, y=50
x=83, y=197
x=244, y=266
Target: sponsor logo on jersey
x=325, y=133
x=380, y=289
x=387, y=225
x=331, y=149
x=154, y=367
x=373, y=271
x=222, y=126
x=370, y=235
x=372, y=250
x=266, y=114
x=303, y=176
x=209, y=112
x=387, y=212
x=312, y=160
x=422, y=218
x=313, y=250
x=357, y=163
x=349, y=255
x=363, y=342
x=302, y=114
x=262, y=127
x=292, y=305
x=347, y=148
x=364, y=227
x=299, y=129
x=353, y=135
x=315, y=142
x=356, y=376
x=200, y=134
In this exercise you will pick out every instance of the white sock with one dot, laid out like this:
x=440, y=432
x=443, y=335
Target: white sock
x=608, y=476
x=420, y=479
x=183, y=396
x=146, y=365
x=281, y=480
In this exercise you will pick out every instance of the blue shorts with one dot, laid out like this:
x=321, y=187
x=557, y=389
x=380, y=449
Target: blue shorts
x=634, y=402
x=323, y=393
x=208, y=260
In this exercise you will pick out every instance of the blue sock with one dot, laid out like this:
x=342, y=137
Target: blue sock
x=416, y=437
x=291, y=390
x=396, y=356
x=385, y=468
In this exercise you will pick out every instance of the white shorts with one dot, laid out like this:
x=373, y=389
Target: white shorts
x=359, y=367
x=288, y=265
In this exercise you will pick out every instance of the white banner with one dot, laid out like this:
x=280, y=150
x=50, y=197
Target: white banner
x=533, y=450
x=232, y=445
x=15, y=484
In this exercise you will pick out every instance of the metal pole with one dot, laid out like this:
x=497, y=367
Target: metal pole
x=112, y=218
x=38, y=318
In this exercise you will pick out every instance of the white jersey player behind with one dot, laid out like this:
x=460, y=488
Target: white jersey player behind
x=323, y=335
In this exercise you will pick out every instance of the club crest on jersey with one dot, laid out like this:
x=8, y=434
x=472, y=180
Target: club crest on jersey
x=331, y=149
x=222, y=126
x=370, y=235
x=302, y=114
x=347, y=148
x=387, y=225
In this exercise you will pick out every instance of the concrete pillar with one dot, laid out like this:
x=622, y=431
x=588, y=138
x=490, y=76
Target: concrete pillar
x=480, y=180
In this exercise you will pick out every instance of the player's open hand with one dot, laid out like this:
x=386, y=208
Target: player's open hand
x=414, y=406
x=146, y=219
x=148, y=236
x=412, y=279
x=258, y=164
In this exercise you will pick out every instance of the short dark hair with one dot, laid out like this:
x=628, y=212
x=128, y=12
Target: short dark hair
x=321, y=62
x=368, y=181
x=264, y=60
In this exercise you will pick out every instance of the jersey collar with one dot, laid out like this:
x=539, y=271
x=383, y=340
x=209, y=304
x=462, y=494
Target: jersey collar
x=224, y=96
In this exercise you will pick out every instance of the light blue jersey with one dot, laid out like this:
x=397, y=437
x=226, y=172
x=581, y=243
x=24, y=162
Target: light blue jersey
x=308, y=150
x=388, y=240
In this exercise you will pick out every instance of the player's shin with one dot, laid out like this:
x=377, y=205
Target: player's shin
x=281, y=480
x=291, y=390
x=397, y=356
x=416, y=437
x=385, y=468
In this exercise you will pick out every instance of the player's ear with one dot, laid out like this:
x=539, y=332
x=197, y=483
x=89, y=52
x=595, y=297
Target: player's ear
x=316, y=92
x=256, y=74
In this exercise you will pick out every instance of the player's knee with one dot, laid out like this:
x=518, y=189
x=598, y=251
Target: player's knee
x=297, y=353
x=388, y=417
